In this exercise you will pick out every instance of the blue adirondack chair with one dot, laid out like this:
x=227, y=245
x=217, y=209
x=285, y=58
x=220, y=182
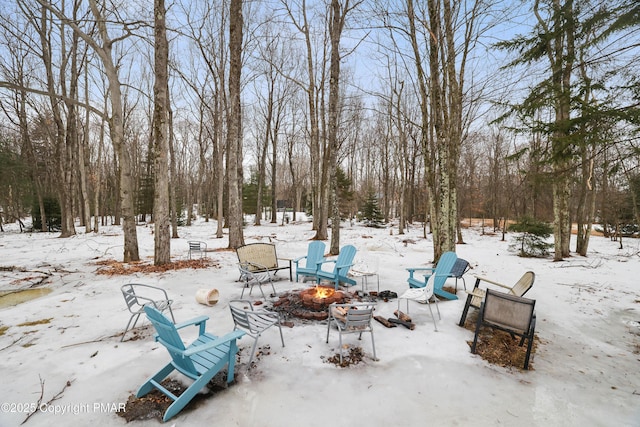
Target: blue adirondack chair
x=200, y=361
x=341, y=268
x=315, y=254
x=442, y=271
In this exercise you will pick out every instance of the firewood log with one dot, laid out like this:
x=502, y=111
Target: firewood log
x=384, y=321
x=402, y=316
x=407, y=325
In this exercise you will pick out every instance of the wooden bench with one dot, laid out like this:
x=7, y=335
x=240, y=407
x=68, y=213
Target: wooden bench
x=262, y=257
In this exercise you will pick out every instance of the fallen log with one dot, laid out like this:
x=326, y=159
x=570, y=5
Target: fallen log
x=407, y=325
x=402, y=316
x=384, y=321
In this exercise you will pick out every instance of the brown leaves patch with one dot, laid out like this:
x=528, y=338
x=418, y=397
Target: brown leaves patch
x=154, y=404
x=498, y=348
x=112, y=267
x=355, y=356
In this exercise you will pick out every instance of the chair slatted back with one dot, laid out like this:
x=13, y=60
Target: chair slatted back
x=443, y=269
x=345, y=259
x=130, y=298
x=359, y=318
x=508, y=312
x=169, y=337
x=241, y=319
x=445, y=264
x=524, y=284
x=315, y=253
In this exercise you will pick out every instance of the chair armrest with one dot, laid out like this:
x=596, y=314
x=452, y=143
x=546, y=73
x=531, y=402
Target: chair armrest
x=477, y=292
x=198, y=321
x=231, y=336
x=344, y=265
x=300, y=258
x=484, y=279
x=321, y=262
x=414, y=269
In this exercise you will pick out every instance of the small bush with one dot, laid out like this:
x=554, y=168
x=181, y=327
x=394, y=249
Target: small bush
x=531, y=242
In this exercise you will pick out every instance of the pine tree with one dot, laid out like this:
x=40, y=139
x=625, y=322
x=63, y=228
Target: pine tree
x=531, y=242
x=371, y=214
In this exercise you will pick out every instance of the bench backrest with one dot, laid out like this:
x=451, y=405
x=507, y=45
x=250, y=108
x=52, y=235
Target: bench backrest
x=262, y=254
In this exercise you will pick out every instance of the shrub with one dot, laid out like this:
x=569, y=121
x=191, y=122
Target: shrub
x=531, y=242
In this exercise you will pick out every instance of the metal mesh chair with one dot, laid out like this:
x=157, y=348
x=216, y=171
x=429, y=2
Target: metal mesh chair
x=253, y=322
x=352, y=319
x=137, y=296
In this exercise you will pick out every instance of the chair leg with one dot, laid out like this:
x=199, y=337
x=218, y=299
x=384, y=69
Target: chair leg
x=435, y=299
x=273, y=288
x=243, y=288
x=530, y=343
x=253, y=350
x=475, y=336
x=190, y=393
x=281, y=337
x=137, y=316
x=328, y=327
x=467, y=304
x=149, y=386
x=373, y=344
x=432, y=316
x=171, y=312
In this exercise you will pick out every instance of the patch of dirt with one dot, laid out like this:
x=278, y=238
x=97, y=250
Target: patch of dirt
x=154, y=404
x=112, y=267
x=498, y=348
x=355, y=356
x=36, y=322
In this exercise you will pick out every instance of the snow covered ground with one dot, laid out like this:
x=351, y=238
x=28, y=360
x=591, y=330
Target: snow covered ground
x=585, y=371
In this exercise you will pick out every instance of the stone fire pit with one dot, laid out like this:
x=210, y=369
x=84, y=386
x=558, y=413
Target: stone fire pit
x=311, y=303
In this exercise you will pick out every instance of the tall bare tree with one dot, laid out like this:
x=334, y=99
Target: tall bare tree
x=161, y=132
x=234, y=129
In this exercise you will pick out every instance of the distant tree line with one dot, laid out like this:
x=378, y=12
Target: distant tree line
x=413, y=111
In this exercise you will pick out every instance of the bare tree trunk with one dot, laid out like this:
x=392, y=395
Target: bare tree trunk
x=234, y=131
x=62, y=166
x=96, y=178
x=262, y=154
x=161, y=211
x=335, y=32
x=173, y=175
x=273, y=131
x=116, y=126
x=84, y=161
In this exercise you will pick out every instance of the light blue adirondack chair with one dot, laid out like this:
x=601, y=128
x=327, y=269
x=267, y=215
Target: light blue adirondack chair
x=200, y=361
x=442, y=271
x=340, y=271
x=315, y=254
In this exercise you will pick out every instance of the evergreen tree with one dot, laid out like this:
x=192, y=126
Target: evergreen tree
x=371, y=213
x=531, y=240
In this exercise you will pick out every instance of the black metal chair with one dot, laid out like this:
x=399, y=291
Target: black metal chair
x=510, y=313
